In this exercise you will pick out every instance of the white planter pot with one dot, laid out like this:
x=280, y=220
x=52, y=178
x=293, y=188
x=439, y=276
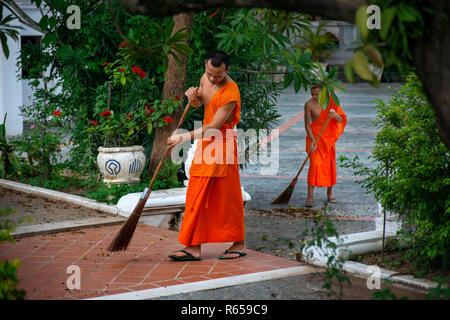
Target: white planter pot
x=121, y=165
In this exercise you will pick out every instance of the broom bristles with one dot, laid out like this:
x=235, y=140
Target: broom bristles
x=123, y=237
x=286, y=195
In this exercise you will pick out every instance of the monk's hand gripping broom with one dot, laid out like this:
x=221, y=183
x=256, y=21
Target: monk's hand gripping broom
x=123, y=237
x=286, y=195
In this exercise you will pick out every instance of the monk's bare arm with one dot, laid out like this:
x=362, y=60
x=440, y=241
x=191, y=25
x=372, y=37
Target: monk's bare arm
x=219, y=119
x=308, y=121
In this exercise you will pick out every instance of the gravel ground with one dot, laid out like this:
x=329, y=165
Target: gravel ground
x=36, y=210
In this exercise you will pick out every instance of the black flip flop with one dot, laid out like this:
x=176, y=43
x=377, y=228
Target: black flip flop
x=240, y=253
x=187, y=257
x=309, y=204
x=332, y=200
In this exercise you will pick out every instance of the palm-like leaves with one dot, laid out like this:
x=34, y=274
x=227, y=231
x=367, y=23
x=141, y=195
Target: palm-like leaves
x=7, y=30
x=317, y=41
x=329, y=83
x=158, y=41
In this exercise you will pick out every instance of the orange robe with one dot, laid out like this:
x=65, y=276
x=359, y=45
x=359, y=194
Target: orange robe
x=214, y=210
x=322, y=162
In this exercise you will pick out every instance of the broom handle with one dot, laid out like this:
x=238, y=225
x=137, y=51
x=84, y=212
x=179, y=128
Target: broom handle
x=149, y=190
x=318, y=137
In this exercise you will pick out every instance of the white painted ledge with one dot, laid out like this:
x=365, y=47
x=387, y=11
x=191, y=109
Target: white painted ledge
x=209, y=284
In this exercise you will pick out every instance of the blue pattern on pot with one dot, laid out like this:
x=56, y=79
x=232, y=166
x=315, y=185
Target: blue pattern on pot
x=112, y=167
x=135, y=166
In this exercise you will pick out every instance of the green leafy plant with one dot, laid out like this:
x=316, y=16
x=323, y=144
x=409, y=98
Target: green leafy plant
x=8, y=270
x=386, y=294
x=442, y=290
x=416, y=186
x=7, y=30
x=402, y=22
x=9, y=163
x=321, y=44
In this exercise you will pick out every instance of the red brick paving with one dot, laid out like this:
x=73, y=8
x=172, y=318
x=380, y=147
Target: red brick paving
x=145, y=265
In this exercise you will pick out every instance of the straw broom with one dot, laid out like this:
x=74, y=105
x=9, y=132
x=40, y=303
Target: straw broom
x=123, y=237
x=286, y=195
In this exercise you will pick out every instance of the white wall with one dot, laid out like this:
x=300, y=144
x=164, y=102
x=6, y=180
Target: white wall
x=15, y=92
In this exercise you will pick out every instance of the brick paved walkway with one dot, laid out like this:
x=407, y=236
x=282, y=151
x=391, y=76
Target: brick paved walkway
x=144, y=265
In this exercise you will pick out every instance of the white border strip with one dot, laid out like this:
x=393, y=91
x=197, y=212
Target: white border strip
x=209, y=284
x=59, y=196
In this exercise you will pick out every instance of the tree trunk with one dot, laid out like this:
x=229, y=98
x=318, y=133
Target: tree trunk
x=174, y=84
x=431, y=58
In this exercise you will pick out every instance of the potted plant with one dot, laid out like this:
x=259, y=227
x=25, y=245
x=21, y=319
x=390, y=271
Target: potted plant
x=121, y=158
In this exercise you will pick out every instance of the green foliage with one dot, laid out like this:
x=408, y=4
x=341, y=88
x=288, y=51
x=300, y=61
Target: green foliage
x=386, y=294
x=41, y=144
x=7, y=30
x=247, y=36
x=442, y=290
x=417, y=182
x=402, y=21
x=9, y=163
x=155, y=40
x=321, y=44
x=8, y=270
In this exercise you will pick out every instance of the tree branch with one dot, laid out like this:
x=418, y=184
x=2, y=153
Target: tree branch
x=335, y=9
x=21, y=15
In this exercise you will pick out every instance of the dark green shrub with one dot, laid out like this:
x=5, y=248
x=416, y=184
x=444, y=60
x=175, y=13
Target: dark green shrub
x=418, y=179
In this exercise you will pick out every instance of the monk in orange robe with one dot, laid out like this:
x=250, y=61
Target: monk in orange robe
x=322, y=161
x=214, y=210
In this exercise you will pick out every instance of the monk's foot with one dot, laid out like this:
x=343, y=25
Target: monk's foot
x=191, y=252
x=332, y=199
x=309, y=203
x=236, y=250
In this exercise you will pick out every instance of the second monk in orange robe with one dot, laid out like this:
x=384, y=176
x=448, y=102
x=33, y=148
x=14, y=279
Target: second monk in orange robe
x=322, y=161
x=214, y=210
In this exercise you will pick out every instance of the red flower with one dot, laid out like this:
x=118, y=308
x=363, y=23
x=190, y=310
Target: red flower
x=121, y=69
x=142, y=74
x=105, y=63
x=149, y=110
x=129, y=115
x=57, y=113
x=138, y=70
x=168, y=119
x=177, y=97
x=106, y=113
x=94, y=123
x=123, y=44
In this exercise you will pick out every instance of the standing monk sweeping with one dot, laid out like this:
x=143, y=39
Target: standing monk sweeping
x=322, y=161
x=214, y=210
